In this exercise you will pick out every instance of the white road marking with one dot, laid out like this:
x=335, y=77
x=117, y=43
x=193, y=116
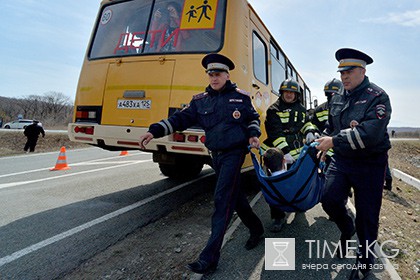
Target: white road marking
x=105, y=162
x=23, y=172
x=61, y=236
x=73, y=164
x=14, y=184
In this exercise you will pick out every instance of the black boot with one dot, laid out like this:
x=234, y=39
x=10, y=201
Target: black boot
x=342, y=251
x=254, y=240
x=278, y=224
x=202, y=267
x=388, y=184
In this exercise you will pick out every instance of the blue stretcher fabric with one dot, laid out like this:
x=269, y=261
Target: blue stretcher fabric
x=298, y=189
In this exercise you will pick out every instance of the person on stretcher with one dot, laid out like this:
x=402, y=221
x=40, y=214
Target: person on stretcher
x=274, y=162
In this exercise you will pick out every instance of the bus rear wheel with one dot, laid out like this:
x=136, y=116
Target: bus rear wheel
x=181, y=170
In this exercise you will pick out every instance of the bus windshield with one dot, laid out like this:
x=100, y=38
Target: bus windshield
x=159, y=26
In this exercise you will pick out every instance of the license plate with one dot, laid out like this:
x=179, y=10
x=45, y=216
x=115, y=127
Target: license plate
x=134, y=104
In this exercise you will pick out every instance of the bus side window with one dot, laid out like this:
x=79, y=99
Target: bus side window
x=278, y=73
x=259, y=51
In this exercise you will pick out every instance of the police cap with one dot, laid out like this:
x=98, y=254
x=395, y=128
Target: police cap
x=351, y=58
x=214, y=62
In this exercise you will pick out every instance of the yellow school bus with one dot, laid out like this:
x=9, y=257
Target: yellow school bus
x=143, y=64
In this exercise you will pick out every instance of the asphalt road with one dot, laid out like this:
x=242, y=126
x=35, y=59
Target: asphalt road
x=312, y=235
x=47, y=216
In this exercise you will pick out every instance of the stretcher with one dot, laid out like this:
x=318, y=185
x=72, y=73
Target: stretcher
x=296, y=190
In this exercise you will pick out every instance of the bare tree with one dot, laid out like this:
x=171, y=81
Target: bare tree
x=9, y=108
x=24, y=105
x=53, y=108
x=55, y=102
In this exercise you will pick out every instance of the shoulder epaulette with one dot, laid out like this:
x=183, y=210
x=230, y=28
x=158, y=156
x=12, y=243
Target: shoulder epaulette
x=374, y=91
x=241, y=91
x=200, y=95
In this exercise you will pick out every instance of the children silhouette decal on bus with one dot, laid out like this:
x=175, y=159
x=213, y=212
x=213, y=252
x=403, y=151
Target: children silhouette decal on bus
x=204, y=8
x=191, y=13
x=199, y=14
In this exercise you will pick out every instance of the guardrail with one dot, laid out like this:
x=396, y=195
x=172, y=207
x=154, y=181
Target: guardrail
x=406, y=178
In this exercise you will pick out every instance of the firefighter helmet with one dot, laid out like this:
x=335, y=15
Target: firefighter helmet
x=333, y=86
x=289, y=85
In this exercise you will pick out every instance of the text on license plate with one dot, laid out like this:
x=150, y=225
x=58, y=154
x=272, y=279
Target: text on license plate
x=134, y=104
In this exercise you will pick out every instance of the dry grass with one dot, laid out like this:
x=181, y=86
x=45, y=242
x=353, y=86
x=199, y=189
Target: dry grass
x=400, y=212
x=12, y=143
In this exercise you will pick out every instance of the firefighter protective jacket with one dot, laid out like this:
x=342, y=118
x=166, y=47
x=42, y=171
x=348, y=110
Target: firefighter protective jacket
x=358, y=121
x=227, y=117
x=320, y=116
x=286, y=125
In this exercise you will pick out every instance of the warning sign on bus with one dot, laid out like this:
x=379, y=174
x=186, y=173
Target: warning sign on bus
x=199, y=14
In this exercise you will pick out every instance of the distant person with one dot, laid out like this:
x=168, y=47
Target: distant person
x=393, y=133
x=274, y=161
x=32, y=132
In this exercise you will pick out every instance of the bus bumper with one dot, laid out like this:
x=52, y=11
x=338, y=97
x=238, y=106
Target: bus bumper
x=117, y=138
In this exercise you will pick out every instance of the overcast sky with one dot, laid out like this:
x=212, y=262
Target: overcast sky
x=43, y=43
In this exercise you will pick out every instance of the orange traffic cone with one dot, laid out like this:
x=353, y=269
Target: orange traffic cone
x=61, y=161
x=123, y=153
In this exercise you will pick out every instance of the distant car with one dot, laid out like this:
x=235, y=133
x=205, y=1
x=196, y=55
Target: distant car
x=18, y=124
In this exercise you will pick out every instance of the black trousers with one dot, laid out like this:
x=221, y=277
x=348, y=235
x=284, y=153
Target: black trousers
x=227, y=198
x=30, y=144
x=366, y=176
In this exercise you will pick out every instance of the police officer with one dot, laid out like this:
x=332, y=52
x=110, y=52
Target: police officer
x=32, y=133
x=231, y=123
x=357, y=129
x=287, y=124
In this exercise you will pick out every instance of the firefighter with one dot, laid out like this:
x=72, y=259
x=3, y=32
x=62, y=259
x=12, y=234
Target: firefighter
x=32, y=133
x=287, y=125
x=320, y=115
x=357, y=129
x=231, y=123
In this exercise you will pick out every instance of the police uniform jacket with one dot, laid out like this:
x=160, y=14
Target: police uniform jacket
x=227, y=117
x=286, y=124
x=358, y=121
